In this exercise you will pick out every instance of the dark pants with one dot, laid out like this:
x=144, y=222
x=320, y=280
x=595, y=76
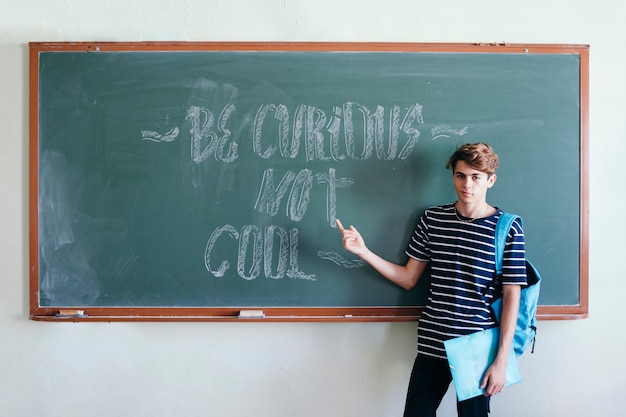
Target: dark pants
x=429, y=383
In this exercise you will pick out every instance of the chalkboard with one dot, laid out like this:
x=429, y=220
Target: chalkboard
x=184, y=181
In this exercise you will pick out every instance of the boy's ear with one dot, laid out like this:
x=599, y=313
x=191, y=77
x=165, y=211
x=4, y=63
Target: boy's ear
x=492, y=180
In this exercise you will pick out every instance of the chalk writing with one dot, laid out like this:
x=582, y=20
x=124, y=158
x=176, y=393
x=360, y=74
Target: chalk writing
x=157, y=137
x=270, y=194
x=309, y=127
x=210, y=138
x=321, y=136
x=350, y=131
x=340, y=260
x=312, y=128
x=446, y=131
x=257, y=246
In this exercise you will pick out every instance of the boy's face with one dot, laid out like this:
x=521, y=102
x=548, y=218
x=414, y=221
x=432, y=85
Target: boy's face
x=470, y=184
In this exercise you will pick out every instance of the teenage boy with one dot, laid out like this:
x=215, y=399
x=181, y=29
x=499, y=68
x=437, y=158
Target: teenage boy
x=457, y=239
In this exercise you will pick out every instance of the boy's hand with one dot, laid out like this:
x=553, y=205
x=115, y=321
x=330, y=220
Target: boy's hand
x=351, y=239
x=494, y=379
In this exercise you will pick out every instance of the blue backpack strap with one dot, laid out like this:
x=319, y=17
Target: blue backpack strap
x=503, y=225
x=526, y=327
x=505, y=221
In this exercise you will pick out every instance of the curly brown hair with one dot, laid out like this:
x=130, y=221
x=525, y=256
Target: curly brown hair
x=479, y=156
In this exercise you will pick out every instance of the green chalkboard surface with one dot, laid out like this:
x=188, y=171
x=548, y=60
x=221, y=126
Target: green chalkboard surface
x=176, y=180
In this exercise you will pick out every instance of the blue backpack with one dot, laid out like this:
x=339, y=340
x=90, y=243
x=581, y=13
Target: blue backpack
x=526, y=321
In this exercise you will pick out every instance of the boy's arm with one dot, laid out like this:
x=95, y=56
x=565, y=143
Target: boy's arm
x=405, y=276
x=495, y=377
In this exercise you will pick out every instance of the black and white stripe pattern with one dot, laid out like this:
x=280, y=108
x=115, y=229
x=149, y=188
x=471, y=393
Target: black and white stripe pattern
x=462, y=269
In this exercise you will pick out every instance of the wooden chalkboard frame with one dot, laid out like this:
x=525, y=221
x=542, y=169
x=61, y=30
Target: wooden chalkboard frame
x=37, y=312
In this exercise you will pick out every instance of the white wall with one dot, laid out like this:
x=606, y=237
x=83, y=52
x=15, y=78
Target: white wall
x=301, y=369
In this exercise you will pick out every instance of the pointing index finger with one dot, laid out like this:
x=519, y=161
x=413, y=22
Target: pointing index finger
x=339, y=225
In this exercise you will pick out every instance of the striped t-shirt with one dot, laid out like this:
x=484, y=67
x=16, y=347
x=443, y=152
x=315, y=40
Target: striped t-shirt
x=462, y=269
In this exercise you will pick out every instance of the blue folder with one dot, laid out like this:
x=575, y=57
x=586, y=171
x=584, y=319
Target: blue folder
x=470, y=356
